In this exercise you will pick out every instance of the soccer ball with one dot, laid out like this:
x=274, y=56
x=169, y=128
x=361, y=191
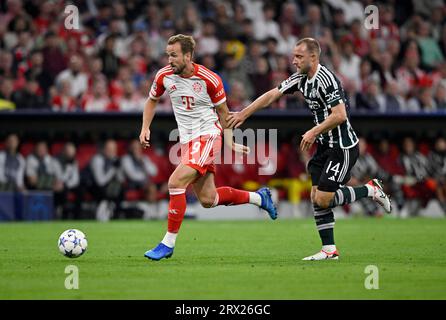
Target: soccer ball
x=72, y=243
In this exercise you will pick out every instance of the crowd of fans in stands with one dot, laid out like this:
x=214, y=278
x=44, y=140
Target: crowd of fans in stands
x=120, y=171
x=110, y=61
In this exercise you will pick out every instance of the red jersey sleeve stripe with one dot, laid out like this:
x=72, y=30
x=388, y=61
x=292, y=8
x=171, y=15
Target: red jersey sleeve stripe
x=209, y=76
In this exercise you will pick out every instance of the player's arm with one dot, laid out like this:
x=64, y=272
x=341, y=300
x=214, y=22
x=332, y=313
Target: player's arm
x=147, y=117
x=223, y=113
x=235, y=120
x=338, y=116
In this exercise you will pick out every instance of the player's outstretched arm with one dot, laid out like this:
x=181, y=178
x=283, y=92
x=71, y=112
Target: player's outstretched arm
x=236, y=119
x=223, y=113
x=147, y=117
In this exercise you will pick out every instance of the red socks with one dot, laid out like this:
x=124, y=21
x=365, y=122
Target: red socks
x=177, y=204
x=177, y=208
x=229, y=196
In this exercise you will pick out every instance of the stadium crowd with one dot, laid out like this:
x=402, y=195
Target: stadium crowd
x=119, y=178
x=109, y=62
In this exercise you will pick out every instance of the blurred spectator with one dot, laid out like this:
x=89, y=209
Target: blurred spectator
x=365, y=169
x=138, y=171
x=271, y=53
x=62, y=99
x=12, y=166
x=110, y=60
x=98, y=100
x=95, y=73
x=238, y=20
x=372, y=99
x=237, y=99
x=409, y=74
x=440, y=95
x=53, y=57
x=261, y=77
x=387, y=27
x=388, y=159
x=417, y=185
x=30, y=97
x=290, y=15
x=267, y=27
x=75, y=75
x=246, y=34
x=131, y=100
x=431, y=54
x=286, y=41
x=207, y=41
x=386, y=70
x=393, y=101
x=107, y=176
x=41, y=170
x=422, y=101
x=35, y=70
x=68, y=199
x=437, y=161
x=6, y=63
x=248, y=64
x=339, y=25
x=352, y=9
x=358, y=38
x=350, y=62
x=232, y=72
x=6, y=91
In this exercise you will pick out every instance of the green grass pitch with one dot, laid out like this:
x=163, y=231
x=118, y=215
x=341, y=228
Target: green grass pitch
x=227, y=260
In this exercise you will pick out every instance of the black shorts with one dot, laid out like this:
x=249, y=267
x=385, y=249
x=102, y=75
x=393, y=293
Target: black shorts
x=330, y=167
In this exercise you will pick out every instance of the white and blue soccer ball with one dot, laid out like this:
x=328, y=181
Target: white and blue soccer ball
x=72, y=243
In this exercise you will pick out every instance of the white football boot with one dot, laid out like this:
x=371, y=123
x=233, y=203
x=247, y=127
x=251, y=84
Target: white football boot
x=323, y=255
x=379, y=195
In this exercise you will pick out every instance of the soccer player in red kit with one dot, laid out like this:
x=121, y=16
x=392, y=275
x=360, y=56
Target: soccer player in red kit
x=199, y=104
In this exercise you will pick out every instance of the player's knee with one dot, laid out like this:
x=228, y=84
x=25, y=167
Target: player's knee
x=322, y=201
x=207, y=201
x=173, y=183
x=313, y=196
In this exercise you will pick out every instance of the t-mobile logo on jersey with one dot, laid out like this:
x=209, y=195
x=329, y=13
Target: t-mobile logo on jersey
x=188, y=101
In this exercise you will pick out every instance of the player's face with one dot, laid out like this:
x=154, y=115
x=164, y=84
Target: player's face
x=302, y=58
x=177, y=59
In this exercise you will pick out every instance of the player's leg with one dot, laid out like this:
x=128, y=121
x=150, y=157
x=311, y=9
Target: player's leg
x=332, y=192
x=324, y=217
x=178, y=182
x=210, y=196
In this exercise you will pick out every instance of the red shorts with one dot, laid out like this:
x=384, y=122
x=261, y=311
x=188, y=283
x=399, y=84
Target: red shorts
x=200, y=153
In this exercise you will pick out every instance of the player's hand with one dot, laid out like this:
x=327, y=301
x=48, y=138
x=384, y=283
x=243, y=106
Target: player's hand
x=235, y=119
x=307, y=140
x=144, y=138
x=240, y=148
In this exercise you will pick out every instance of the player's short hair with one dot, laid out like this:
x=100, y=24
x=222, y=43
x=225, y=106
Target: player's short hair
x=313, y=45
x=187, y=43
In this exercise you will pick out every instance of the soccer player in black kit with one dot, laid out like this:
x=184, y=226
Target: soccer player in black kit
x=337, y=143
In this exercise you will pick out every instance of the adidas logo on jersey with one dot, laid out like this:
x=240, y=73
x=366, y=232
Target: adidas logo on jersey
x=172, y=88
x=332, y=178
x=173, y=211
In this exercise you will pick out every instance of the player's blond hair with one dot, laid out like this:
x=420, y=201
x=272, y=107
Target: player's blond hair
x=187, y=43
x=313, y=45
